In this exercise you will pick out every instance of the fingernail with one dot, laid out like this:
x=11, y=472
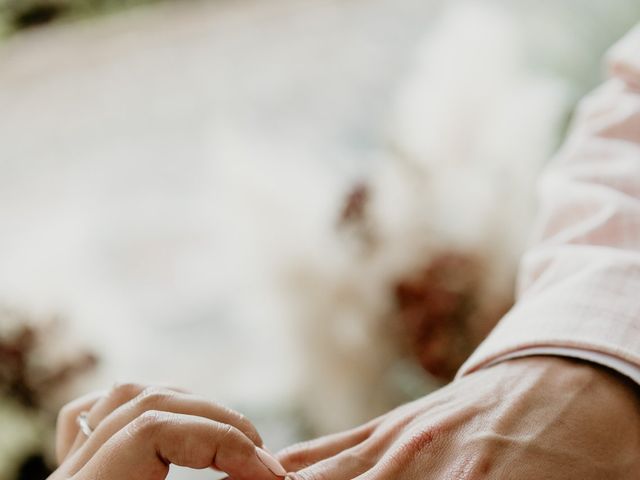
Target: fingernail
x=271, y=463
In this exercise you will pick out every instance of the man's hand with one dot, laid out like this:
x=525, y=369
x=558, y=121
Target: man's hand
x=528, y=419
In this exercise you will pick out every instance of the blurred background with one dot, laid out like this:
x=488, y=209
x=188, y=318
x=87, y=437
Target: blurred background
x=309, y=210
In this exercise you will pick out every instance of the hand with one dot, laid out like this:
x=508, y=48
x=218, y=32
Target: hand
x=139, y=431
x=527, y=419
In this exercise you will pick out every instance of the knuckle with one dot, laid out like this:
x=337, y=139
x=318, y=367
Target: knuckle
x=422, y=439
x=66, y=413
x=121, y=392
x=70, y=411
x=148, y=423
x=246, y=425
x=417, y=444
x=235, y=440
x=365, y=455
x=228, y=434
x=152, y=398
x=195, y=455
x=243, y=421
x=297, y=454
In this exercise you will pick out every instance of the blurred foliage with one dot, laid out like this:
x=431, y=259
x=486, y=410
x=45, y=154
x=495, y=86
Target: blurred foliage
x=16, y=15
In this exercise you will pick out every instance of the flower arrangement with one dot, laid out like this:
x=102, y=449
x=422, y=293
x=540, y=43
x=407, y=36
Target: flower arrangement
x=32, y=376
x=424, y=255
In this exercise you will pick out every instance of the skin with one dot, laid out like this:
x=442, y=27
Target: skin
x=139, y=431
x=527, y=419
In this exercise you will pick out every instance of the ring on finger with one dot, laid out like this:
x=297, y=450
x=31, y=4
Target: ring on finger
x=83, y=423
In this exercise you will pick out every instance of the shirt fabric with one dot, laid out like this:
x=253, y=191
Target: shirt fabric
x=579, y=282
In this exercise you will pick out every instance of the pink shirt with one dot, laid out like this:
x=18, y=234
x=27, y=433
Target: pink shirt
x=579, y=282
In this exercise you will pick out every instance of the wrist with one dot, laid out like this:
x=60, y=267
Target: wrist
x=575, y=375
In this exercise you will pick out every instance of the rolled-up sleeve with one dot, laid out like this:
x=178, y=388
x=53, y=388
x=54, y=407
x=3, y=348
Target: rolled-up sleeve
x=579, y=282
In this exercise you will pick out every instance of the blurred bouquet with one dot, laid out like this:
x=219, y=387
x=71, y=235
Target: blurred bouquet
x=424, y=257
x=33, y=374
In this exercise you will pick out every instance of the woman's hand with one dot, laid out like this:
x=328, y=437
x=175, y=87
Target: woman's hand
x=529, y=419
x=139, y=431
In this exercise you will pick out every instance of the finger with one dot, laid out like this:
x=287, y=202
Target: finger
x=402, y=460
x=346, y=465
x=384, y=472
x=164, y=401
x=145, y=448
x=119, y=394
x=303, y=454
x=67, y=426
x=415, y=454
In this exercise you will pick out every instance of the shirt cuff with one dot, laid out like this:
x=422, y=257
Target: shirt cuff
x=621, y=366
